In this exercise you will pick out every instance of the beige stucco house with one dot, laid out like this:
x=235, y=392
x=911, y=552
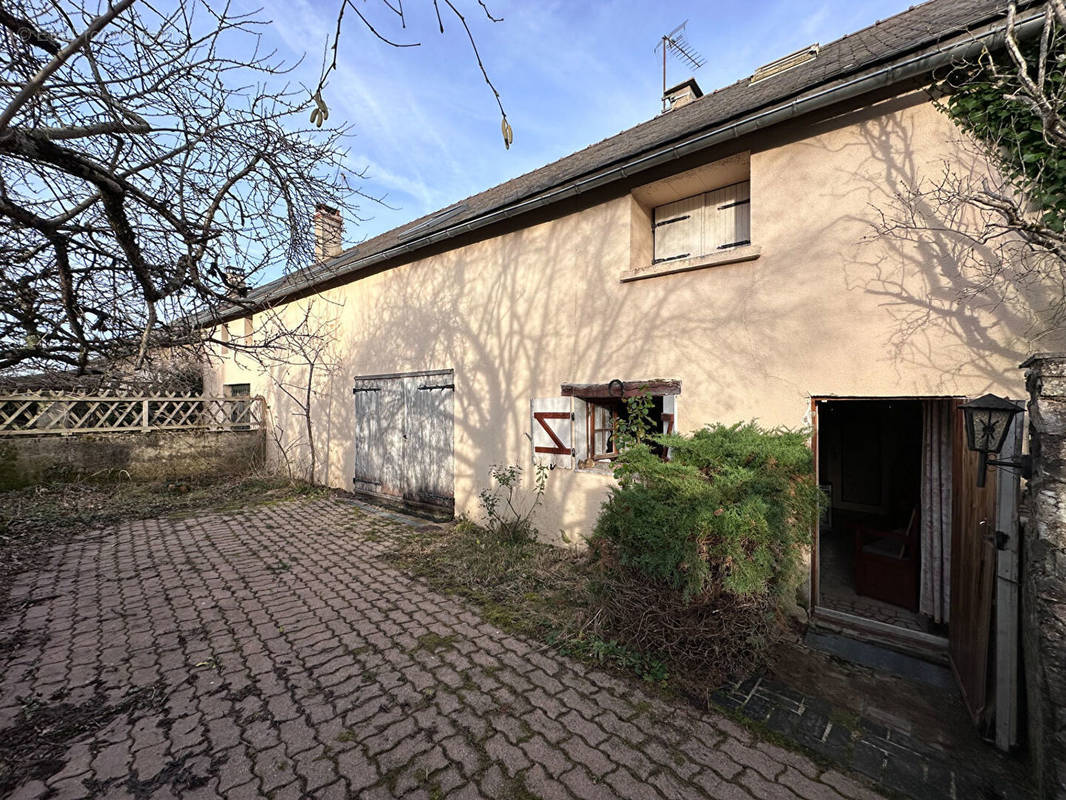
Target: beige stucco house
x=723, y=255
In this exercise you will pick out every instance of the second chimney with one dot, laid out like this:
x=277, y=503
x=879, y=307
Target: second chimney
x=329, y=229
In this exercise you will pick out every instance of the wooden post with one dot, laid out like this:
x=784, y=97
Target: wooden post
x=144, y=415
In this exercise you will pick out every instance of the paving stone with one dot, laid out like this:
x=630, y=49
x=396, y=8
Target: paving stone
x=753, y=758
x=585, y=728
x=541, y=784
x=585, y=786
x=311, y=682
x=805, y=787
x=358, y=770
x=657, y=753
x=31, y=790
x=764, y=789
x=804, y=765
x=712, y=785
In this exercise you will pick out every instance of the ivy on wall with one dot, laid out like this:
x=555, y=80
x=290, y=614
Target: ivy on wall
x=993, y=100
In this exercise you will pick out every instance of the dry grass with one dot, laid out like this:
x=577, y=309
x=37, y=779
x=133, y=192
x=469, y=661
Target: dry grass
x=531, y=589
x=527, y=588
x=703, y=642
x=606, y=617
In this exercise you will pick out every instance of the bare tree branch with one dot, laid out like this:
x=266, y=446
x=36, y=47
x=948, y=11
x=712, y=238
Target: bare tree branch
x=996, y=233
x=145, y=163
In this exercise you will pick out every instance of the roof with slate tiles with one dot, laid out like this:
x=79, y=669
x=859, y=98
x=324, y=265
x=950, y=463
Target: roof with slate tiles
x=919, y=29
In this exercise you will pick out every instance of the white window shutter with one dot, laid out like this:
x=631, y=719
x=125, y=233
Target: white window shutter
x=581, y=434
x=678, y=229
x=742, y=215
x=727, y=222
x=552, y=431
x=669, y=419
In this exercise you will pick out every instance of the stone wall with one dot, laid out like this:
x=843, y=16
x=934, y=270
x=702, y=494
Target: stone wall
x=1044, y=576
x=26, y=460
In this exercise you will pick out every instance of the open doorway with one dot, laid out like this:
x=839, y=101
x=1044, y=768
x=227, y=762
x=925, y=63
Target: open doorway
x=870, y=549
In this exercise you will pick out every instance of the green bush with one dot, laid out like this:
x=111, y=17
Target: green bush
x=730, y=512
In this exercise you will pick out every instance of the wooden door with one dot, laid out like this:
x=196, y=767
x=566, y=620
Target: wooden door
x=403, y=437
x=1007, y=654
x=428, y=458
x=389, y=433
x=366, y=414
x=973, y=565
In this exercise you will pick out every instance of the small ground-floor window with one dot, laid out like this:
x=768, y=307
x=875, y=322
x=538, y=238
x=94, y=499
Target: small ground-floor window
x=580, y=428
x=240, y=412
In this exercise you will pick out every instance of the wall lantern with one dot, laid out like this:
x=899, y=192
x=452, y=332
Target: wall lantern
x=988, y=420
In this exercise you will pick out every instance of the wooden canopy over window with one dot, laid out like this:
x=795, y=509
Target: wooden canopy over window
x=657, y=388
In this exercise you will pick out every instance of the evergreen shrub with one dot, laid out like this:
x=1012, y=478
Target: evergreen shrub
x=698, y=555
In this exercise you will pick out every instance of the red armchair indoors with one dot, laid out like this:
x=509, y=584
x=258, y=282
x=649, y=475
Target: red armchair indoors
x=886, y=563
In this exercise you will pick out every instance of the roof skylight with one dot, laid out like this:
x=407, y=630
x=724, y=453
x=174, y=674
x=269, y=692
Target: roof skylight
x=786, y=63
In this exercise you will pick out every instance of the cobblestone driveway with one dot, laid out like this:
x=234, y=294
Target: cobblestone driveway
x=270, y=653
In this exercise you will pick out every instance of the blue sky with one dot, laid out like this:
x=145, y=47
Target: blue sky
x=571, y=73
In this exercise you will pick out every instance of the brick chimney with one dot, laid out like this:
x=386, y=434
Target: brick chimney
x=681, y=95
x=329, y=228
x=235, y=284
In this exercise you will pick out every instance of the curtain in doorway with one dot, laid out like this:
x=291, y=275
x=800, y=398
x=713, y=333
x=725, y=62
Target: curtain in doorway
x=935, y=596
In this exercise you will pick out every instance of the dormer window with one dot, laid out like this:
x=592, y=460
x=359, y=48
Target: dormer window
x=704, y=224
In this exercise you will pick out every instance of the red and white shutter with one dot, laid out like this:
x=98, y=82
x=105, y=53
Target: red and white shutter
x=678, y=229
x=552, y=430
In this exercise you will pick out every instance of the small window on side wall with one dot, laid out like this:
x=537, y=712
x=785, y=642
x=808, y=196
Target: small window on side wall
x=239, y=411
x=705, y=224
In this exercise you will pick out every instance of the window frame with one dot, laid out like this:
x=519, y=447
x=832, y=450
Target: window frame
x=611, y=406
x=610, y=396
x=240, y=413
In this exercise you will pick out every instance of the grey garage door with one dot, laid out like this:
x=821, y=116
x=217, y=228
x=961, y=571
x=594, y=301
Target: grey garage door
x=403, y=437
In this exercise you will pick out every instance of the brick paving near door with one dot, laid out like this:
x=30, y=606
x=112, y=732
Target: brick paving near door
x=271, y=653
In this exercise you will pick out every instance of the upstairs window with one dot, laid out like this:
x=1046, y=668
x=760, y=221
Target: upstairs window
x=705, y=224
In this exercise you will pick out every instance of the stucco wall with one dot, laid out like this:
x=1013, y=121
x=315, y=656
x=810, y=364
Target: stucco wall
x=826, y=309
x=25, y=460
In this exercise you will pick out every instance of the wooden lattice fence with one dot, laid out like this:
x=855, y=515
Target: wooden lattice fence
x=65, y=413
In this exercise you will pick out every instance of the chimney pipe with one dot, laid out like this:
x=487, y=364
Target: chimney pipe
x=329, y=229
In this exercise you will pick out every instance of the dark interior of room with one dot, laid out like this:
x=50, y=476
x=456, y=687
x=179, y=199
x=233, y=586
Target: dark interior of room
x=869, y=457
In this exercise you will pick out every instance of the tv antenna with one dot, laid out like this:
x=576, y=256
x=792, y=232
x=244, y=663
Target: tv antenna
x=676, y=43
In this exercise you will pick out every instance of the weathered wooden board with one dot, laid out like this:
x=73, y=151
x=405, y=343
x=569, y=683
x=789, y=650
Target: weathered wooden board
x=973, y=562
